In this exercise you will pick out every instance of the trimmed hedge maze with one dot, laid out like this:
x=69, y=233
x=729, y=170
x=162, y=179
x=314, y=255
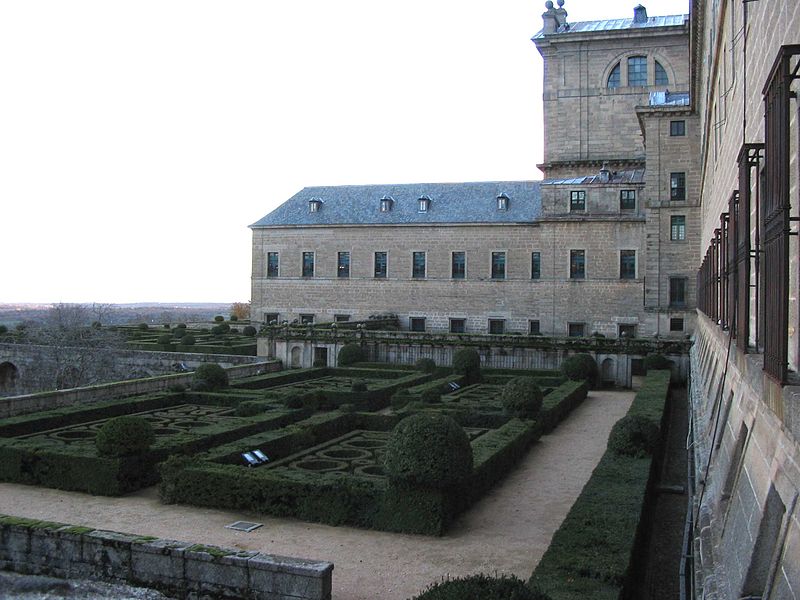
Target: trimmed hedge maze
x=324, y=430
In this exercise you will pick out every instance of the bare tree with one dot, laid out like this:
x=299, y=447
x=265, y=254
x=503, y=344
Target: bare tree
x=78, y=346
x=240, y=310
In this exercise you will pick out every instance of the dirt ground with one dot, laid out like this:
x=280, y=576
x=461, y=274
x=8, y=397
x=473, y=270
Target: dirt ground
x=506, y=532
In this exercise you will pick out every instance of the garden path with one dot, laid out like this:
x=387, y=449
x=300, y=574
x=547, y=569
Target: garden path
x=506, y=532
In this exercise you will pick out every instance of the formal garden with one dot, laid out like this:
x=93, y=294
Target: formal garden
x=223, y=336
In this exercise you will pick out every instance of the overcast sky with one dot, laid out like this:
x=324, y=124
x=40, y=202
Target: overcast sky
x=138, y=140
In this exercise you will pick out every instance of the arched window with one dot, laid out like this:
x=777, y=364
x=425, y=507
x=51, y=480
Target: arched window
x=614, y=78
x=637, y=71
x=661, y=75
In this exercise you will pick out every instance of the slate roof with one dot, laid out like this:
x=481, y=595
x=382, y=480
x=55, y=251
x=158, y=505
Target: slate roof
x=450, y=203
x=617, y=24
x=633, y=176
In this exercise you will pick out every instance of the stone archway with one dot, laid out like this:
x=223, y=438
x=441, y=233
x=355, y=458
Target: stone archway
x=608, y=373
x=8, y=376
x=296, y=357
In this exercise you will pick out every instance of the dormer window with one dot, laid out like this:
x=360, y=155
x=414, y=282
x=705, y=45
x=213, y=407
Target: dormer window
x=424, y=203
x=314, y=205
x=502, y=202
x=386, y=203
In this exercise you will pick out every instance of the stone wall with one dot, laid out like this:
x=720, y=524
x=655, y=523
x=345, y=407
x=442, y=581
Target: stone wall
x=22, y=404
x=179, y=569
x=747, y=468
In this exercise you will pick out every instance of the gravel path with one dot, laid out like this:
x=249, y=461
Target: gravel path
x=506, y=532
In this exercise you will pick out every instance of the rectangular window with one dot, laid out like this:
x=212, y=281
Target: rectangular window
x=627, y=200
x=677, y=128
x=576, y=329
x=626, y=331
x=418, y=265
x=627, y=264
x=341, y=318
x=536, y=265
x=458, y=269
x=381, y=265
x=677, y=292
x=534, y=328
x=271, y=318
x=577, y=201
x=676, y=324
x=308, y=264
x=458, y=325
x=306, y=319
x=677, y=227
x=497, y=326
x=343, y=265
x=677, y=186
x=272, y=264
x=417, y=323
x=498, y=265
x=577, y=264
x=637, y=71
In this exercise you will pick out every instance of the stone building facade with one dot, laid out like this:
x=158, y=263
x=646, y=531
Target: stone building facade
x=603, y=245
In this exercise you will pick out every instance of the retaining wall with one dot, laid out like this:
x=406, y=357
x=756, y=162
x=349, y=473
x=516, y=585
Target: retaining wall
x=19, y=405
x=179, y=569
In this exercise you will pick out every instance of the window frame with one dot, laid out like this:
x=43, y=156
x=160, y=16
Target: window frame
x=277, y=265
x=463, y=322
x=534, y=327
x=423, y=204
x=635, y=70
x=267, y=319
x=313, y=257
x=678, y=303
x=413, y=321
x=343, y=268
x=307, y=318
x=536, y=264
x=577, y=201
x=656, y=66
x=574, y=275
x=627, y=196
x=614, y=79
x=677, y=128
x=414, y=273
x=384, y=274
x=453, y=274
x=620, y=331
x=677, y=231
x=580, y=324
x=624, y=269
x=493, y=323
x=673, y=321
x=341, y=318
x=498, y=270
x=677, y=193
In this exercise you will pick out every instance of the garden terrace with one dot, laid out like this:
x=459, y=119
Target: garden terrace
x=205, y=341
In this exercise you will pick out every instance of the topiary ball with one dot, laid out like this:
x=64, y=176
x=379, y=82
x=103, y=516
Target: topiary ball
x=482, y=587
x=233, y=318
x=350, y=354
x=428, y=450
x=431, y=396
x=522, y=397
x=657, y=361
x=165, y=339
x=188, y=340
x=209, y=377
x=467, y=362
x=143, y=326
x=426, y=365
x=633, y=435
x=124, y=436
x=249, y=330
x=580, y=367
x=219, y=318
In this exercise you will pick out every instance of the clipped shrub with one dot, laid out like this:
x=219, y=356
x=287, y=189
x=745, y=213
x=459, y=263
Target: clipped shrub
x=218, y=330
x=347, y=408
x=219, y=319
x=633, y=435
x=313, y=400
x=209, y=377
x=143, y=326
x=124, y=436
x=580, y=367
x=248, y=408
x=400, y=399
x=188, y=340
x=180, y=326
x=657, y=361
x=467, y=362
x=293, y=401
x=431, y=396
x=350, y=354
x=522, y=397
x=249, y=330
x=482, y=587
x=233, y=318
x=428, y=450
x=176, y=388
x=165, y=339
x=234, y=330
x=3, y=329
x=165, y=326
x=426, y=365
x=358, y=386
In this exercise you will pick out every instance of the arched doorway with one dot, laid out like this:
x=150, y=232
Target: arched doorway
x=295, y=361
x=608, y=372
x=8, y=376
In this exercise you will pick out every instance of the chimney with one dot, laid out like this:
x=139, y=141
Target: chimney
x=639, y=14
x=550, y=19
